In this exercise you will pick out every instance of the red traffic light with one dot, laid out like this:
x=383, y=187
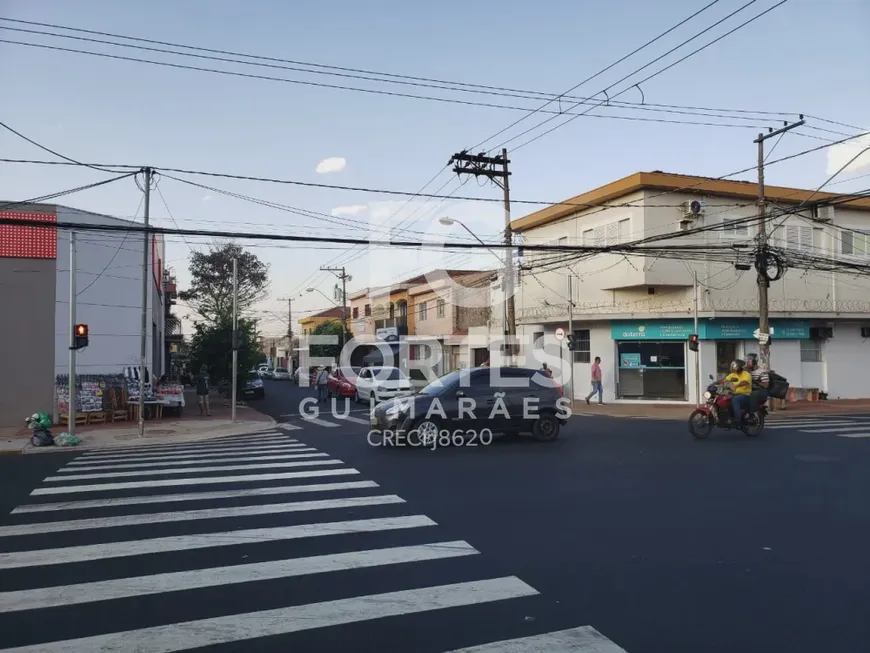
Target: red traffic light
x=693, y=342
x=82, y=330
x=80, y=333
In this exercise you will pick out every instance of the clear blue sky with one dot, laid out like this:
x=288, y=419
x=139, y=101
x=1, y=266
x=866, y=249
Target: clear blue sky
x=805, y=56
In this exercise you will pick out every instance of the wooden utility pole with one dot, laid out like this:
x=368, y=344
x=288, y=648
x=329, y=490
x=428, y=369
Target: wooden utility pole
x=761, y=257
x=341, y=274
x=495, y=168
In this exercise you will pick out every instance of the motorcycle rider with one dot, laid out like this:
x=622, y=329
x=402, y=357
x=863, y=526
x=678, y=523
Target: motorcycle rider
x=760, y=381
x=741, y=381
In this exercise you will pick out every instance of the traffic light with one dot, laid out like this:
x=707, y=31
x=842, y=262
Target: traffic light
x=80, y=333
x=237, y=339
x=693, y=342
x=572, y=344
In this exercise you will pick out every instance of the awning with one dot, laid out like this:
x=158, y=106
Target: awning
x=376, y=356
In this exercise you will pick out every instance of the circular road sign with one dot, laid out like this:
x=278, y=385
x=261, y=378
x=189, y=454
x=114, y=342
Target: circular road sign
x=560, y=333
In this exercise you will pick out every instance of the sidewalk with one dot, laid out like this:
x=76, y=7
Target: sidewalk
x=682, y=411
x=191, y=427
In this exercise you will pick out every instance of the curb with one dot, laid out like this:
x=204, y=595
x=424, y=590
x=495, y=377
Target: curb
x=28, y=450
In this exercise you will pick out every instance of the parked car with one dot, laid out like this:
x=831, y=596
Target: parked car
x=532, y=403
x=265, y=372
x=253, y=389
x=341, y=382
x=381, y=383
x=281, y=374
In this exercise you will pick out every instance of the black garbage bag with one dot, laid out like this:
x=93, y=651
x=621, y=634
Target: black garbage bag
x=778, y=386
x=42, y=438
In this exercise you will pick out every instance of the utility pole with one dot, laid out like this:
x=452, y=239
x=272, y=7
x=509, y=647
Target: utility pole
x=697, y=353
x=495, y=168
x=341, y=274
x=236, y=338
x=71, y=410
x=571, y=332
x=143, y=345
x=761, y=250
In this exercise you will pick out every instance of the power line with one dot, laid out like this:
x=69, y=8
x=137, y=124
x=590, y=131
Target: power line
x=70, y=191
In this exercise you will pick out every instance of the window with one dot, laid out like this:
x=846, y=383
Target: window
x=355, y=312
x=624, y=230
x=732, y=230
x=440, y=308
x=798, y=237
x=811, y=351
x=854, y=244
x=368, y=310
x=538, y=340
x=589, y=238
x=584, y=346
x=422, y=311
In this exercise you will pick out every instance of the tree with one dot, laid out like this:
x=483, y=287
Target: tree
x=331, y=328
x=211, y=288
x=211, y=345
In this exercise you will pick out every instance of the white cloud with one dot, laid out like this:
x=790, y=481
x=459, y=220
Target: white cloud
x=349, y=210
x=839, y=155
x=332, y=164
x=207, y=198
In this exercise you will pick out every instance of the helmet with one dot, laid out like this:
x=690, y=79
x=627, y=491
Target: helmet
x=737, y=366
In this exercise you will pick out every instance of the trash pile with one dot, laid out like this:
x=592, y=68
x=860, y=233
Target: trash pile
x=39, y=423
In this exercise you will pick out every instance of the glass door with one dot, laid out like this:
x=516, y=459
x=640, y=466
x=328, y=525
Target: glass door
x=651, y=370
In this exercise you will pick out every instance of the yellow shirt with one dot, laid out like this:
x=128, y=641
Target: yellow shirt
x=737, y=377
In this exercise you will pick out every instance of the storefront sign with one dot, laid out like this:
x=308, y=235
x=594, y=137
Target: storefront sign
x=389, y=334
x=629, y=360
x=707, y=330
x=658, y=330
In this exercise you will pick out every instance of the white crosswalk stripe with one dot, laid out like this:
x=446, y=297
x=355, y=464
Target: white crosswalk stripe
x=843, y=427
x=284, y=534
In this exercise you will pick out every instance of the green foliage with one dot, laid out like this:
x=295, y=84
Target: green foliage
x=211, y=345
x=331, y=328
x=211, y=288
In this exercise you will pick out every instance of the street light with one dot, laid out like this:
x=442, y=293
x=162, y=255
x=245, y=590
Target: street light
x=322, y=293
x=449, y=222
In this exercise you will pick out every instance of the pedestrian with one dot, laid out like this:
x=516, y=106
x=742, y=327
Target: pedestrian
x=202, y=389
x=322, y=383
x=596, y=382
x=546, y=371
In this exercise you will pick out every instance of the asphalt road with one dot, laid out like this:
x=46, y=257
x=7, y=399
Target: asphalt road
x=629, y=527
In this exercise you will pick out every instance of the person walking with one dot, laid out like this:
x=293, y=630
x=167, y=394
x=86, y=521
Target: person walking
x=322, y=383
x=596, y=382
x=203, y=387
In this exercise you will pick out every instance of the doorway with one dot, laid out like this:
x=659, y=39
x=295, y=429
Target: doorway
x=651, y=370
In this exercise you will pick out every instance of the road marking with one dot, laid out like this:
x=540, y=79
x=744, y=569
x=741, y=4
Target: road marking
x=176, y=463
x=802, y=424
x=90, y=552
x=200, y=480
x=281, y=621
x=289, y=427
x=195, y=446
x=839, y=429
x=47, y=597
x=584, y=639
x=190, y=451
x=194, y=496
x=195, y=515
x=319, y=422
x=853, y=435
x=290, y=448
x=189, y=470
x=357, y=420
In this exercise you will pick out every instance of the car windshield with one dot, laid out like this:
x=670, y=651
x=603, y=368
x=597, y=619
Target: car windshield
x=438, y=385
x=388, y=374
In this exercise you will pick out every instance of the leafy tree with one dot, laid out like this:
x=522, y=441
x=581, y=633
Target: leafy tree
x=211, y=288
x=211, y=345
x=331, y=328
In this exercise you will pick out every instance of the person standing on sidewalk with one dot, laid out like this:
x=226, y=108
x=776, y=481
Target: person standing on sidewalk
x=322, y=384
x=202, y=390
x=596, y=382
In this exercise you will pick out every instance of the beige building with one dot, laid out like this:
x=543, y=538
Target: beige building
x=636, y=312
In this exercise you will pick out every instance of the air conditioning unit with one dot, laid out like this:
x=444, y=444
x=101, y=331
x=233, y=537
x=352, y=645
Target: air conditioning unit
x=692, y=210
x=825, y=213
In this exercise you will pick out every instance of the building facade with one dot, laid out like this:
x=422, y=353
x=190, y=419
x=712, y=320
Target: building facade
x=307, y=325
x=637, y=312
x=35, y=268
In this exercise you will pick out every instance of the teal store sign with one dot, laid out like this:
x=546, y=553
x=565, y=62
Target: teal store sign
x=708, y=329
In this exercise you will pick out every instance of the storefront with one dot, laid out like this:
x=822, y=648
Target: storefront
x=653, y=359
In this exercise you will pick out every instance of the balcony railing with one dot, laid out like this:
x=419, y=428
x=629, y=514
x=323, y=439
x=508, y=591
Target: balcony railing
x=392, y=322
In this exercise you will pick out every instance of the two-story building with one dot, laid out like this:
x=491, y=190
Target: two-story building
x=637, y=312
x=308, y=324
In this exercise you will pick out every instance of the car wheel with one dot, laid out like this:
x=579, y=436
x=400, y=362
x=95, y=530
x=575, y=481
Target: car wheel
x=427, y=432
x=546, y=428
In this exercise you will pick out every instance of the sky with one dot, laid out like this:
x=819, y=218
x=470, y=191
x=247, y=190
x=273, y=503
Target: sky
x=803, y=57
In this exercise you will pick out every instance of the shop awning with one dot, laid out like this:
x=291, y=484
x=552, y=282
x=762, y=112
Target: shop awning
x=376, y=356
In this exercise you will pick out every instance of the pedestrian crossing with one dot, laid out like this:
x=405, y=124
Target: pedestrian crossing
x=176, y=547
x=842, y=427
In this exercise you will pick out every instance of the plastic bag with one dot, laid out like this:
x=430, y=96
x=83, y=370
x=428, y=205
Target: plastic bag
x=42, y=438
x=67, y=440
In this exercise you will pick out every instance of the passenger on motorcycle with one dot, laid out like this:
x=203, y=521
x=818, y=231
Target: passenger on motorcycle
x=741, y=381
x=760, y=381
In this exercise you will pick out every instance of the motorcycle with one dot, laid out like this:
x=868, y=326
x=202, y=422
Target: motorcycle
x=717, y=412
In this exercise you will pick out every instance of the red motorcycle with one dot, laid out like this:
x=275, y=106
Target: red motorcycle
x=717, y=412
